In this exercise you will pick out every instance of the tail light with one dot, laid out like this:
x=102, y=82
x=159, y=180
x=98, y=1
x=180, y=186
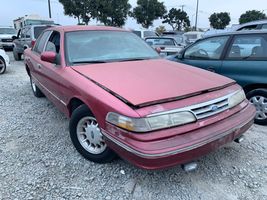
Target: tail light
x=33, y=42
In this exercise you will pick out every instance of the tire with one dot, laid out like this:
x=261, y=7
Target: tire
x=258, y=98
x=36, y=91
x=87, y=138
x=17, y=56
x=2, y=66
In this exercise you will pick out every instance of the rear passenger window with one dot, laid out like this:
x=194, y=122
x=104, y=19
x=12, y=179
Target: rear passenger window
x=264, y=26
x=53, y=42
x=39, y=47
x=245, y=47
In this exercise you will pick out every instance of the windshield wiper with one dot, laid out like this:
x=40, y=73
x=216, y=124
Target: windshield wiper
x=89, y=62
x=133, y=59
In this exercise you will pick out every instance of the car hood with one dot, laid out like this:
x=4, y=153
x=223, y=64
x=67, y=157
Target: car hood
x=140, y=83
x=6, y=36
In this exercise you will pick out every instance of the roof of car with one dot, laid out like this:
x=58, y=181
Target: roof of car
x=238, y=33
x=86, y=28
x=256, y=22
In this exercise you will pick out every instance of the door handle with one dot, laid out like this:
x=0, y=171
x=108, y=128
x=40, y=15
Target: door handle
x=211, y=69
x=39, y=66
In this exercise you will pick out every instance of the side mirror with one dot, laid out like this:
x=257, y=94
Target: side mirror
x=49, y=56
x=14, y=38
x=179, y=56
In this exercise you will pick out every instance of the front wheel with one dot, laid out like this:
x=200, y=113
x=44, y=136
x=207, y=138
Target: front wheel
x=36, y=91
x=87, y=138
x=2, y=66
x=258, y=98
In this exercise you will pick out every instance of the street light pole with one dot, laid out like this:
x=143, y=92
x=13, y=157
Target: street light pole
x=49, y=8
x=196, y=16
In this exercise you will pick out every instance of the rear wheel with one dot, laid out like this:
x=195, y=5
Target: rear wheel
x=87, y=138
x=2, y=66
x=258, y=98
x=36, y=91
x=17, y=56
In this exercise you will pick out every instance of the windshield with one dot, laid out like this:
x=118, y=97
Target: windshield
x=10, y=31
x=160, y=41
x=105, y=46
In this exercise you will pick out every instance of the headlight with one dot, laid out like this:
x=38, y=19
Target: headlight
x=150, y=123
x=236, y=98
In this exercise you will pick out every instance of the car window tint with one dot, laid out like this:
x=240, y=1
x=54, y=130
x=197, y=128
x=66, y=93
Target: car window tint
x=210, y=48
x=248, y=47
x=138, y=33
x=38, y=30
x=41, y=42
x=251, y=27
x=53, y=42
x=264, y=26
x=22, y=33
x=28, y=33
x=149, y=34
x=160, y=41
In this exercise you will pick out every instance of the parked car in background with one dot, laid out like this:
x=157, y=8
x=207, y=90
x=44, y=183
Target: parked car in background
x=122, y=97
x=241, y=56
x=145, y=33
x=192, y=36
x=254, y=25
x=26, y=38
x=6, y=34
x=167, y=45
x=4, y=61
x=177, y=35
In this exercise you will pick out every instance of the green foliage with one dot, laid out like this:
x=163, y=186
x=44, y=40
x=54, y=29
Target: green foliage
x=109, y=12
x=220, y=20
x=78, y=8
x=160, y=29
x=177, y=19
x=147, y=11
x=251, y=15
x=112, y=12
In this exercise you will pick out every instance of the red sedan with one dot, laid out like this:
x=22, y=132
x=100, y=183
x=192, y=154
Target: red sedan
x=122, y=98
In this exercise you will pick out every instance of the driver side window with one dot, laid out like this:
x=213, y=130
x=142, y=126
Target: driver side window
x=209, y=49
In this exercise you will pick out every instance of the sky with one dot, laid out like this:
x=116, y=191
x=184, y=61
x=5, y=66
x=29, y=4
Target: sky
x=12, y=9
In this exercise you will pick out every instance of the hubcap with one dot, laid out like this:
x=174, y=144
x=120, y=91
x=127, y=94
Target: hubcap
x=33, y=85
x=90, y=136
x=2, y=66
x=260, y=103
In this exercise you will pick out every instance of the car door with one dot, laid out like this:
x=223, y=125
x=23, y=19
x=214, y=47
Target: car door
x=34, y=61
x=206, y=53
x=19, y=41
x=246, y=59
x=52, y=73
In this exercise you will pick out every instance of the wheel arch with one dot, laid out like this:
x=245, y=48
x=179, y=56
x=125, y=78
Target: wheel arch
x=28, y=70
x=74, y=103
x=251, y=87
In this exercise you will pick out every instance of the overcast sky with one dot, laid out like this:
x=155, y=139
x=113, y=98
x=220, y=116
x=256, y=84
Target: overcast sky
x=11, y=9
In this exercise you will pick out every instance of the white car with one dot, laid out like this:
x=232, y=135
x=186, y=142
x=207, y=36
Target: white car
x=4, y=61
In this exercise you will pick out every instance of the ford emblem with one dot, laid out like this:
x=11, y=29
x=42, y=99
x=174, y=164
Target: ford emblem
x=214, y=108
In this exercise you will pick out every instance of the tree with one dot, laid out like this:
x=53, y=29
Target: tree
x=147, y=11
x=112, y=12
x=251, y=15
x=160, y=29
x=220, y=20
x=177, y=19
x=80, y=9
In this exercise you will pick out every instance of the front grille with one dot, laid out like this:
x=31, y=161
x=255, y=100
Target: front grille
x=6, y=40
x=210, y=108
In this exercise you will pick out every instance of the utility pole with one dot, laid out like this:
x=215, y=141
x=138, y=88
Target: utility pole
x=182, y=6
x=49, y=8
x=196, y=16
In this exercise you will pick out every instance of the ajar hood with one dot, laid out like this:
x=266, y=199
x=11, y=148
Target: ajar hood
x=146, y=82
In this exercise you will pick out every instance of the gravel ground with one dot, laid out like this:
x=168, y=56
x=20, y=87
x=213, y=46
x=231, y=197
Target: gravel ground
x=38, y=161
